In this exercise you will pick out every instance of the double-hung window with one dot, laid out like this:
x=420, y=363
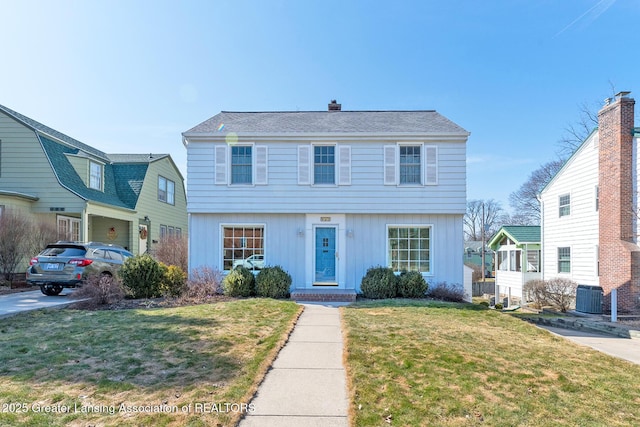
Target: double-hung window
x=564, y=260
x=240, y=164
x=565, y=205
x=324, y=164
x=410, y=164
x=409, y=248
x=95, y=175
x=166, y=190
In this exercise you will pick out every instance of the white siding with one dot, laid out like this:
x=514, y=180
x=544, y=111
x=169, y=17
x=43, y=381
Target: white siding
x=367, y=192
x=579, y=229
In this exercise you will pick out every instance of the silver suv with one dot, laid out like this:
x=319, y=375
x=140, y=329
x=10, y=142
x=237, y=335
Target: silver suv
x=68, y=264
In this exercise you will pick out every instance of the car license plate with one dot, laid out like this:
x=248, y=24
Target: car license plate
x=54, y=266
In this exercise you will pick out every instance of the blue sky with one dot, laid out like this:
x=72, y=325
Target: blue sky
x=130, y=76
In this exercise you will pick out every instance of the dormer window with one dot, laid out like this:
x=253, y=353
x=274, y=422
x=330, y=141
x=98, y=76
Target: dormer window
x=95, y=175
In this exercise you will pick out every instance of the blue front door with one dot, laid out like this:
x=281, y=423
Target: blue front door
x=325, y=254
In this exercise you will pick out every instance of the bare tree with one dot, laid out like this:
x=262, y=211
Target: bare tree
x=474, y=219
x=173, y=250
x=14, y=246
x=576, y=133
x=524, y=201
x=42, y=233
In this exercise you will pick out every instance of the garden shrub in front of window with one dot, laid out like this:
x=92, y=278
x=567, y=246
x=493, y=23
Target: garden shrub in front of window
x=379, y=283
x=412, y=285
x=240, y=282
x=273, y=282
x=174, y=281
x=142, y=276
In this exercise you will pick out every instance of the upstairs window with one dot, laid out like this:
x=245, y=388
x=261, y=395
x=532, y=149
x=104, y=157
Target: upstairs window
x=166, y=190
x=410, y=165
x=95, y=175
x=565, y=205
x=241, y=165
x=324, y=164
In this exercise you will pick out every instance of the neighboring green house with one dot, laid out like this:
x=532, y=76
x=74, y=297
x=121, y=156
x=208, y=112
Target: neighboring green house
x=133, y=200
x=517, y=252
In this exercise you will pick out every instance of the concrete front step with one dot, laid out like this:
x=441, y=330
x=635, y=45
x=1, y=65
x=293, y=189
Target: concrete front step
x=324, y=295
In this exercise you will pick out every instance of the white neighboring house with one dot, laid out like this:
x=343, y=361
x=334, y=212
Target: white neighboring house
x=589, y=210
x=328, y=194
x=569, y=218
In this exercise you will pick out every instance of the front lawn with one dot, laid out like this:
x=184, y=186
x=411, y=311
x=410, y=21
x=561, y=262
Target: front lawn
x=439, y=364
x=191, y=366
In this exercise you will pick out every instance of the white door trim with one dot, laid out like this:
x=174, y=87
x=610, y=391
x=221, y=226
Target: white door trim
x=325, y=220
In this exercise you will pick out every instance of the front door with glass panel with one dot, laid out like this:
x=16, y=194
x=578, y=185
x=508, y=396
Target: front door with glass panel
x=325, y=249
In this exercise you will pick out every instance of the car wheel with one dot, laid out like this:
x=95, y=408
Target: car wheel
x=51, y=290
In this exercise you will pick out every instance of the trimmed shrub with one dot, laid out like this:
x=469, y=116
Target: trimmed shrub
x=484, y=304
x=142, y=276
x=379, y=283
x=174, y=281
x=412, y=285
x=273, y=282
x=445, y=292
x=498, y=306
x=239, y=283
x=98, y=290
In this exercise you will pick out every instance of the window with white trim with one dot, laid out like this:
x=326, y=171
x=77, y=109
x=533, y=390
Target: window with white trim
x=409, y=248
x=243, y=245
x=564, y=202
x=68, y=228
x=564, y=260
x=95, y=175
x=324, y=164
x=241, y=164
x=163, y=232
x=166, y=190
x=410, y=164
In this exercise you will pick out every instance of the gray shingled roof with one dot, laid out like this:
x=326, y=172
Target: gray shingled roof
x=427, y=121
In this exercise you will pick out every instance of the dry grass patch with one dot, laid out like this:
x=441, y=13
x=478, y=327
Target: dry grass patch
x=151, y=361
x=438, y=364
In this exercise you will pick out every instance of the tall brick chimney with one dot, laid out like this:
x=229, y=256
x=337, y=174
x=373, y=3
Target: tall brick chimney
x=334, y=106
x=619, y=254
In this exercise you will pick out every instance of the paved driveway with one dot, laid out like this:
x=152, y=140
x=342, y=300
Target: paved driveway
x=623, y=348
x=24, y=301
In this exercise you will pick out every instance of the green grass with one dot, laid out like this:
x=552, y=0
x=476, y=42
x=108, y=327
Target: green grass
x=438, y=364
x=204, y=354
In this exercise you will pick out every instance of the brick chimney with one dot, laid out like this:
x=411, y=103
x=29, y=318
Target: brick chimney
x=334, y=106
x=619, y=255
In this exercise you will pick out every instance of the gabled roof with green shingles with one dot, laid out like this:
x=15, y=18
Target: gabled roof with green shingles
x=519, y=234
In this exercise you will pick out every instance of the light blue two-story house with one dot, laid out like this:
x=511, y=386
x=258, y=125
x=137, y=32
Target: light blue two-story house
x=327, y=195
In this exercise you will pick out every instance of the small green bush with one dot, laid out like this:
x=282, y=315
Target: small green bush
x=412, y=285
x=174, y=281
x=273, y=282
x=142, y=276
x=498, y=306
x=379, y=283
x=484, y=303
x=239, y=283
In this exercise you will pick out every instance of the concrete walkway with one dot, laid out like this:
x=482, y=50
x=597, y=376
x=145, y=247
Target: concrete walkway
x=623, y=348
x=306, y=385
